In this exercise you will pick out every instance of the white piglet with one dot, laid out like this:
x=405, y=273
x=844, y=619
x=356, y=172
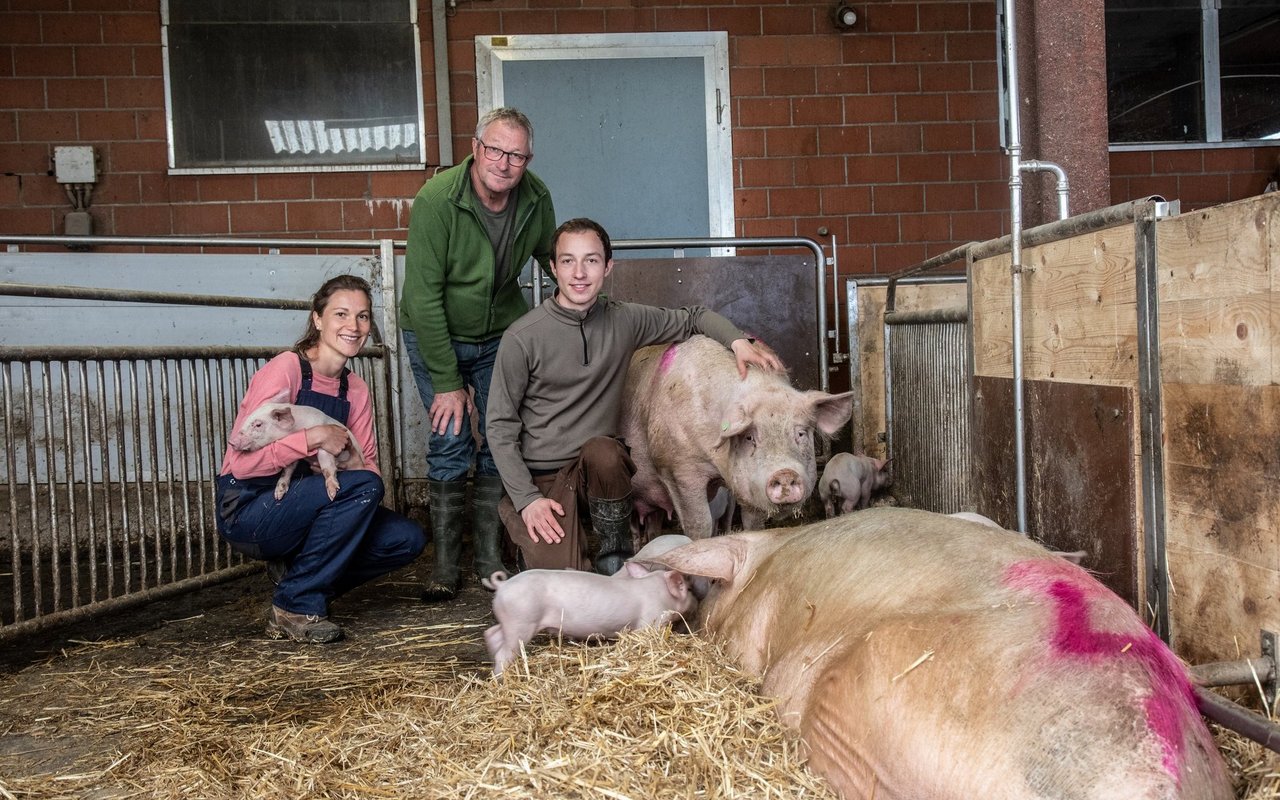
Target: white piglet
x=276, y=419
x=848, y=481
x=582, y=604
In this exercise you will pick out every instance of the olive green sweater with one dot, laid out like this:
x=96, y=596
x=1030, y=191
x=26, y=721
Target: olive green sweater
x=560, y=374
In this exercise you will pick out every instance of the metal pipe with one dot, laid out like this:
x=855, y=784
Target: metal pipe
x=1015, y=260
x=193, y=241
x=93, y=353
x=930, y=316
x=128, y=601
x=1061, y=175
x=1235, y=673
x=1231, y=715
x=138, y=296
x=1099, y=219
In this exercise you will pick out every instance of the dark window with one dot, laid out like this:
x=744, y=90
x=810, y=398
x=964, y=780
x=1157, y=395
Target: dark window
x=292, y=83
x=1171, y=79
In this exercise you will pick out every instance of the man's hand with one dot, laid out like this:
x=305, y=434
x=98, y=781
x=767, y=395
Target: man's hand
x=449, y=407
x=748, y=353
x=540, y=520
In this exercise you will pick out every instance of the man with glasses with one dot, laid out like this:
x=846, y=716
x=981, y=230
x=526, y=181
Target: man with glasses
x=471, y=230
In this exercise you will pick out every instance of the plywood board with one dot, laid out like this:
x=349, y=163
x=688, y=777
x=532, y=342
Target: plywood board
x=1079, y=301
x=1082, y=480
x=1222, y=484
x=868, y=338
x=1219, y=605
x=1218, y=310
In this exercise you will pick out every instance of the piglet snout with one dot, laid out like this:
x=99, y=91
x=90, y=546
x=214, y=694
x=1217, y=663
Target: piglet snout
x=786, y=486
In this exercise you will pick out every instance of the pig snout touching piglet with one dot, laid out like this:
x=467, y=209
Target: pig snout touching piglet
x=923, y=656
x=580, y=605
x=849, y=480
x=276, y=419
x=690, y=420
x=659, y=545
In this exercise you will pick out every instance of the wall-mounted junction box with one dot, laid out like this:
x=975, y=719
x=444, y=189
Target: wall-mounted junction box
x=74, y=165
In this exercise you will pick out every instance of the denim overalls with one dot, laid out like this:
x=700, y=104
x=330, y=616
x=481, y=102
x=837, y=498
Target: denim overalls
x=332, y=546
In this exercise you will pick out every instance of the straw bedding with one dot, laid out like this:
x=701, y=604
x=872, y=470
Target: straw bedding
x=655, y=715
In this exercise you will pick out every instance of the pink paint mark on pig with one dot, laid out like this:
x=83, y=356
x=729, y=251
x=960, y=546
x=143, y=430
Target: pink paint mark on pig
x=668, y=359
x=1071, y=589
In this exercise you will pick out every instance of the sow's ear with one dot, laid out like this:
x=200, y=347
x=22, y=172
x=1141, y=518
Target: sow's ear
x=830, y=411
x=735, y=422
x=720, y=558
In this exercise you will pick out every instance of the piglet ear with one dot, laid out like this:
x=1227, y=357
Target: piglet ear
x=282, y=396
x=676, y=584
x=283, y=416
x=719, y=558
x=830, y=411
x=635, y=569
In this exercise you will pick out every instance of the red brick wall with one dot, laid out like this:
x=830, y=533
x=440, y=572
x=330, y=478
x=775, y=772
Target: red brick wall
x=1199, y=178
x=884, y=136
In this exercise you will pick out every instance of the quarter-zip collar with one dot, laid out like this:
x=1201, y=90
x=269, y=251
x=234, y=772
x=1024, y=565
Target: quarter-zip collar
x=578, y=319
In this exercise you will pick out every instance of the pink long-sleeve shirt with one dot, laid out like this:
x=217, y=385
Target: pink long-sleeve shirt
x=283, y=372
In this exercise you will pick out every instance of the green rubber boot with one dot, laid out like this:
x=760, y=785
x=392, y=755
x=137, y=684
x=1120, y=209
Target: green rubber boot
x=611, y=521
x=486, y=530
x=448, y=503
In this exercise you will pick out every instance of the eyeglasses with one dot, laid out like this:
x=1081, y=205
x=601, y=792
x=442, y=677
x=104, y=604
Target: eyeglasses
x=496, y=154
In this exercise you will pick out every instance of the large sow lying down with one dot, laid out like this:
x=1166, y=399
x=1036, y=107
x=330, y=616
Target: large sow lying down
x=923, y=656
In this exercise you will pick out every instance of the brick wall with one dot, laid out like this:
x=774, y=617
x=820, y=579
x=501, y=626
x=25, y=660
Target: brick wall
x=1199, y=178
x=884, y=136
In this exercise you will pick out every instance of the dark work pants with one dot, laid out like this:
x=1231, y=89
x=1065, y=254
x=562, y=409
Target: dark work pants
x=334, y=545
x=602, y=470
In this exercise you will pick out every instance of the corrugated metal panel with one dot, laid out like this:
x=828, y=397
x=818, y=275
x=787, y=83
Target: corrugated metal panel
x=929, y=414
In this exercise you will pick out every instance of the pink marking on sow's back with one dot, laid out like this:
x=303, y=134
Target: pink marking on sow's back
x=1070, y=589
x=668, y=358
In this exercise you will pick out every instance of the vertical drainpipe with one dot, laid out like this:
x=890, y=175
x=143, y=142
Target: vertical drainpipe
x=440, y=54
x=1015, y=259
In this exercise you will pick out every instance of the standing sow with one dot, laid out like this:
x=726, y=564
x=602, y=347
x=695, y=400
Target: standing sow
x=922, y=656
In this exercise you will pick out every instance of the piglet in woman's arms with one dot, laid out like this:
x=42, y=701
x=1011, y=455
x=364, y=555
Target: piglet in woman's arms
x=580, y=605
x=276, y=419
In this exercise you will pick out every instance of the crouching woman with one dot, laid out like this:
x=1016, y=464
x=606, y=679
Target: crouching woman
x=316, y=547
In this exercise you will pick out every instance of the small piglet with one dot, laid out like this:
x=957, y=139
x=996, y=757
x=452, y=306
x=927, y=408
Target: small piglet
x=276, y=419
x=848, y=481
x=582, y=604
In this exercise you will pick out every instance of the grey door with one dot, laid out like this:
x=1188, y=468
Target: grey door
x=631, y=130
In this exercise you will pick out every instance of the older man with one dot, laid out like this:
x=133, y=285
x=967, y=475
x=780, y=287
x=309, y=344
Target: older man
x=471, y=230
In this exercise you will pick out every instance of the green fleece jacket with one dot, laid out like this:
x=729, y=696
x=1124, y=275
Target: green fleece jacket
x=449, y=292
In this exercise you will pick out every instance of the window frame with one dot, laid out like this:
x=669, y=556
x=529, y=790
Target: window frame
x=260, y=169
x=1211, y=77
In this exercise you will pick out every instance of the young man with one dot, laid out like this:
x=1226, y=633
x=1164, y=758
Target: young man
x=471, y=230
x=555, y=398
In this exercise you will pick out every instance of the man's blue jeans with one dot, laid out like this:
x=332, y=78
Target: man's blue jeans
x=449, y=455
x=335, y=545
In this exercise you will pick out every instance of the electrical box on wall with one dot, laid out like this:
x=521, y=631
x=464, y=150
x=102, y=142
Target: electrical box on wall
x=74, y=165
